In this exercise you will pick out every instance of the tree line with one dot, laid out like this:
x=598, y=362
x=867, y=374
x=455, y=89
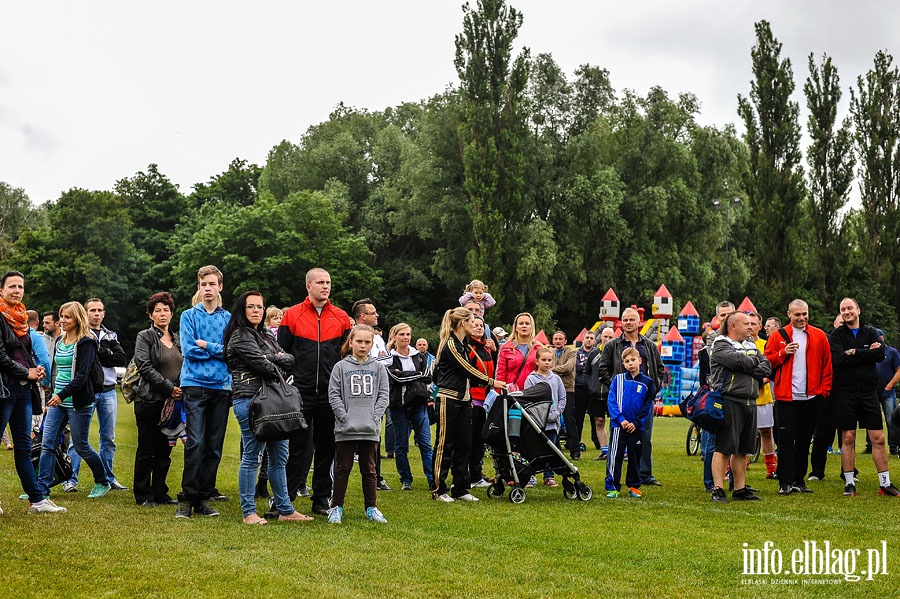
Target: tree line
x=550, y=187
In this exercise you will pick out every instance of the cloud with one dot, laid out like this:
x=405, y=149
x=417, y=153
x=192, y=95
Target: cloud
x=36, y=139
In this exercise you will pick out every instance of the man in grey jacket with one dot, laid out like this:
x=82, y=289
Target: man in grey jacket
x=651, y=364
x=737, y=370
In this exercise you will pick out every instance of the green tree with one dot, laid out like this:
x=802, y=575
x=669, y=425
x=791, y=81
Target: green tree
x=235, y=187
x=270, y=245
x=16, y=213
x=875, y=110
x=830, y=159
x=492, y=84
x=774, y=184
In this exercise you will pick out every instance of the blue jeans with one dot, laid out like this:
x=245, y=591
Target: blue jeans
x=888, y=400
x=207, y=417
x=707, y=448
x=249, y=468
x=417, y=419
x=106, y=405
x=79, y=425
x=16, y=410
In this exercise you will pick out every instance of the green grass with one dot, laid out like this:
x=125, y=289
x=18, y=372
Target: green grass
x=672, y=543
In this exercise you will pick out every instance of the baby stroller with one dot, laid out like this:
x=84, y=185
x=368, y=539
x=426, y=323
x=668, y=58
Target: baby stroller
x=514, y=431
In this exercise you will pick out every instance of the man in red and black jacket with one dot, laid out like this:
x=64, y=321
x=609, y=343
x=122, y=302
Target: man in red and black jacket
x=313, y=332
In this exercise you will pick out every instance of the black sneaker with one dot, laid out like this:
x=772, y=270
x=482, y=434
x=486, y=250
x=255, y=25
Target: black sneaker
x=303, y=492
x=745, y=494
x=751, y=489
x=850, y=490
x=204, y=509
x=785, y=490
x=148, y=503
x=117, y=486
x=406, y=486
x=165, y=500
x=320, y=509
x=184, y=509
x=800, y=488
x=383, y=486
x=890, y=491
x=576, y=456
x=217, y=496
x=718, y=495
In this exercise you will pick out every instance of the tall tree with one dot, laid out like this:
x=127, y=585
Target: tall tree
x=875, y=109
x=16, y=213
x=492, y=85
x=830, y=159
x=236, y=187
x=774, y=185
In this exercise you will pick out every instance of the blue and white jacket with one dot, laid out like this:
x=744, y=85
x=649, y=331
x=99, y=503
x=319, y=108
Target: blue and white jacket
x=204, y=367
x=630, y=399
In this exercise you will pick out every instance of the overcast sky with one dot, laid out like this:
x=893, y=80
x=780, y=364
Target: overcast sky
x=92, y=92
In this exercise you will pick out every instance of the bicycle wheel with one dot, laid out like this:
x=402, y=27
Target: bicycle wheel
x=755, y=457
x=692, y=443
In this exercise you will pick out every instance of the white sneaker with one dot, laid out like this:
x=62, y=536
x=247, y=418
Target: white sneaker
x=46, y=507
x=467, y=497
x=68, y=487
x=445, y=498
x=482, y=484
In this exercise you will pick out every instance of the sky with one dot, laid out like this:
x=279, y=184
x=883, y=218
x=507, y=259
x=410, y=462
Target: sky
x=92, y=92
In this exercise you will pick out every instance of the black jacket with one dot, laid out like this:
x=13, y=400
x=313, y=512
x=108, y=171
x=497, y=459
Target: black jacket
x=400, y=379
x=80, y=387
x=146, y=358
x=611, y=361
x=452, y=370
x=855, y=373
x=251, y=357
x=9, y=368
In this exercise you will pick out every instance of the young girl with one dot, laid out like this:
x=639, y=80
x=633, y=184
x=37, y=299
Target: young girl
x=358, y=394
x=543, y=363
x=274, y=314
x=478, y=291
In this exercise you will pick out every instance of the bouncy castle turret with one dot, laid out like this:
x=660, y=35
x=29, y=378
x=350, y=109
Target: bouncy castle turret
x=746, y=306
x=689, y=327
x=662, y=309
x=609, y=307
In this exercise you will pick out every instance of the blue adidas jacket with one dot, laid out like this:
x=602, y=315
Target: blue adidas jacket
x=630, y=399
x=204, y=367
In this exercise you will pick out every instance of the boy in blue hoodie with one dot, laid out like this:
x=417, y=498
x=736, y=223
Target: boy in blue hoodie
x=630, y=401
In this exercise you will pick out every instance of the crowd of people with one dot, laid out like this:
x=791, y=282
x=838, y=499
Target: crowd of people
x=796, y=385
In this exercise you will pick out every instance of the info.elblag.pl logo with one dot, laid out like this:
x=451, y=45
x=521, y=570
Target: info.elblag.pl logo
x=827, y=563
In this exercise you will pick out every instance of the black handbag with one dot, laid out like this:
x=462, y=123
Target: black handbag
x=276, y=410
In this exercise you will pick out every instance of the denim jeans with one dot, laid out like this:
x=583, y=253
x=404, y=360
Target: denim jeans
x=207, y=417
x=888, y=401
x=707, y=448
x=249, y=468
x=417, y=419
x=79, y=423
x=106, y=405
x=16, y=410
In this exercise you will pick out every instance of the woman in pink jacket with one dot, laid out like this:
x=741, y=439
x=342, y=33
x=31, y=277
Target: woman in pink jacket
x=516, y=358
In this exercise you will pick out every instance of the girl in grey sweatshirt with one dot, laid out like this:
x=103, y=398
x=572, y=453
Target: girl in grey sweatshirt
x=358, y=393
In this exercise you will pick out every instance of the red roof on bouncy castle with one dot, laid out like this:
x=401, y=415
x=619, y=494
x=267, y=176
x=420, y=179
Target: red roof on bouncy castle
x=541, y=337
x=662, y=292
x=746, y=306
x=689, y=310
x=674, y=335
x=610, y=295
x=580, y=336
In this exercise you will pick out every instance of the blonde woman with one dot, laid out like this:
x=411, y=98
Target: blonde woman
x=73, y=398
x=515, y=361
x=452, y=374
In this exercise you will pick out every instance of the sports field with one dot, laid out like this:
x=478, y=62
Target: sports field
x=672, y=543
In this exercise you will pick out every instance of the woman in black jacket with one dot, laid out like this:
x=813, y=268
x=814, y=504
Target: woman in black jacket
x=408, y=403
x=18, y=374
x=73, y=398
x=157, y=355
x=452, y=374
x=252, y=354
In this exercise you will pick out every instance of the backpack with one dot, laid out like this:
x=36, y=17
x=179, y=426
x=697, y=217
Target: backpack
x=705, y=409
x=130, y=382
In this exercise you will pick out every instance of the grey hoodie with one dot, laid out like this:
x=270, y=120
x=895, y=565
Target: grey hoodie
x=358, y=394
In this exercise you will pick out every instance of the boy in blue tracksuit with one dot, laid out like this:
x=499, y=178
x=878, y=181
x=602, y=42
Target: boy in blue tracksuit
x=630, y=401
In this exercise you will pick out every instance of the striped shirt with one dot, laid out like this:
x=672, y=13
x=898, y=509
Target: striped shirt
x=63, y=359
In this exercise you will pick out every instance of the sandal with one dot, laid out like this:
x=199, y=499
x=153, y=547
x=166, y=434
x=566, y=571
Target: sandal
x=294, y=517
x=254, y=519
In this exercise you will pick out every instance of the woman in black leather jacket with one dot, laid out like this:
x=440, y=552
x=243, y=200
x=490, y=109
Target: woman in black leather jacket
x=252, y=355
x=157, y=355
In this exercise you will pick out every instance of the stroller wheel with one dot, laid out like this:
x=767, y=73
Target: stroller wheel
x=517, y=495
x=584, y=492
x=569, y=491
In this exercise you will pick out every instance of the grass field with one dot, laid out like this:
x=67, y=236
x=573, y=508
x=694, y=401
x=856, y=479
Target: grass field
x=672, y=543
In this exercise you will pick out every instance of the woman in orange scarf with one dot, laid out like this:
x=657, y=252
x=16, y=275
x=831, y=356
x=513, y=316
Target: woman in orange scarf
x=18, y=374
